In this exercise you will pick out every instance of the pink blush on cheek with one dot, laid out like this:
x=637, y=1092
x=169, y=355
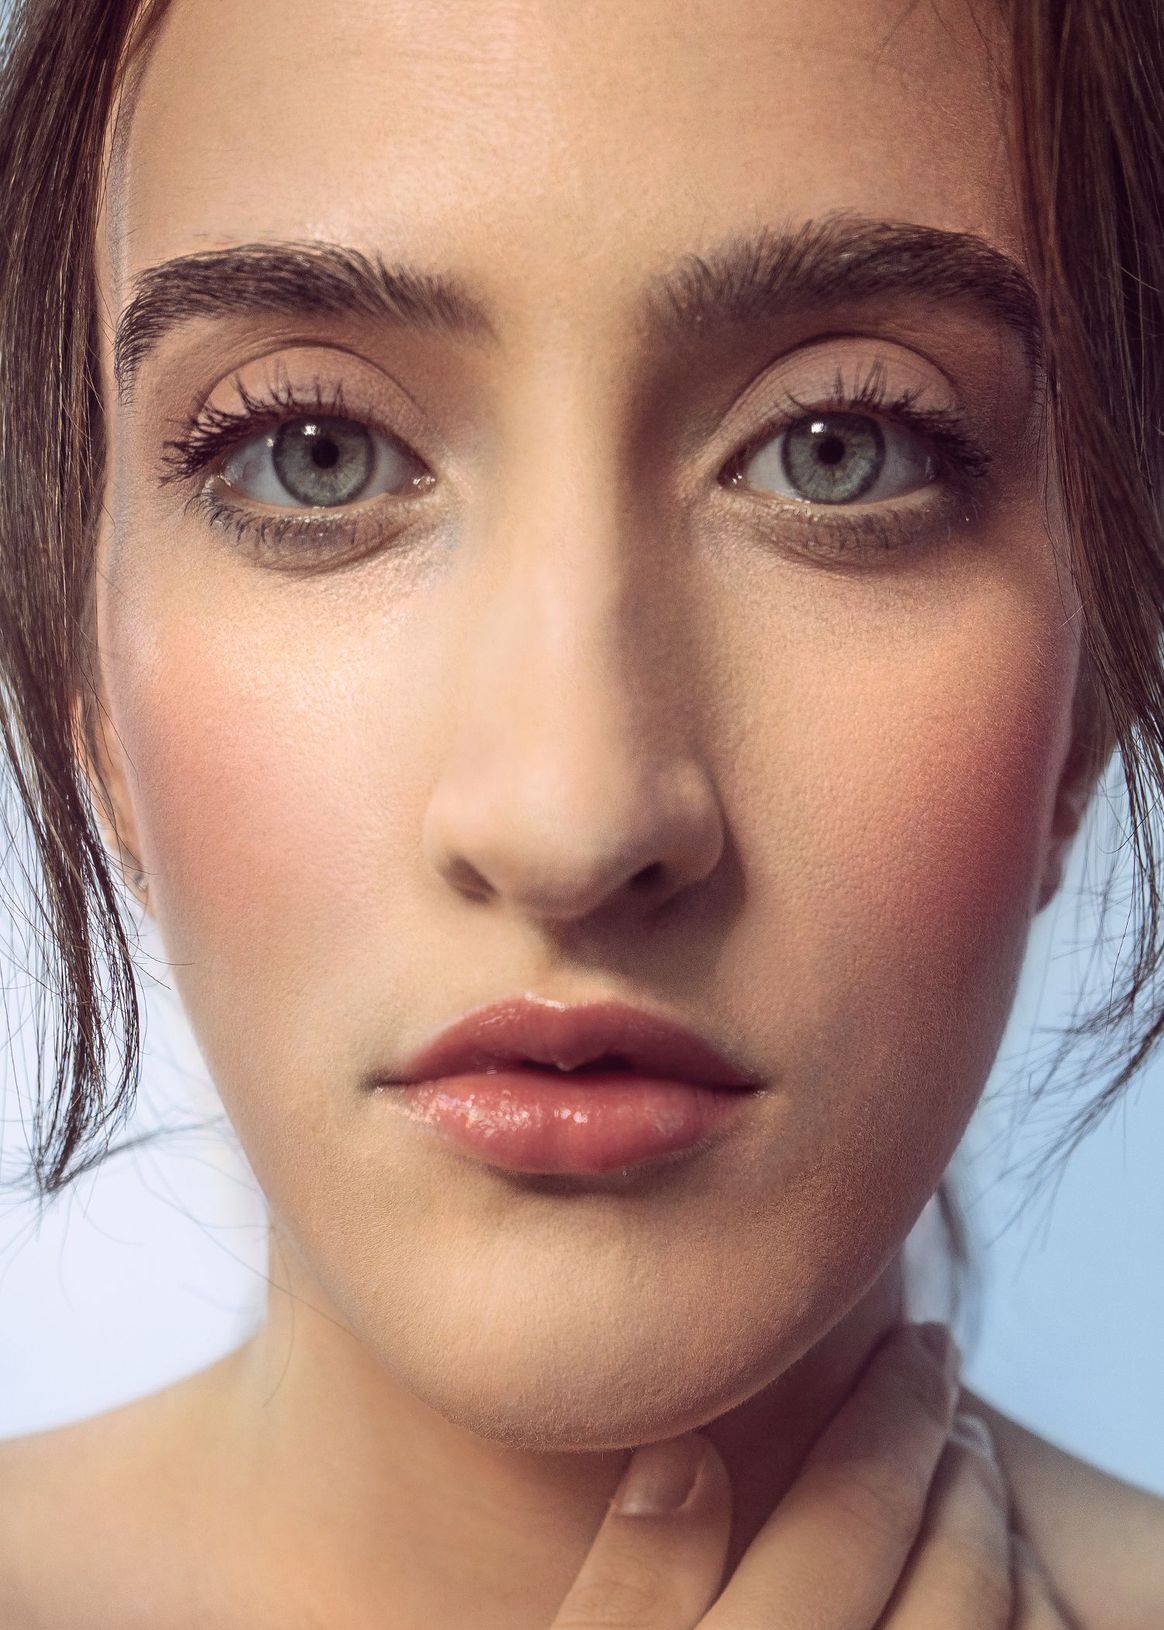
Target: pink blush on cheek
x=970, y=824
x=250, y=812
x=918, y=812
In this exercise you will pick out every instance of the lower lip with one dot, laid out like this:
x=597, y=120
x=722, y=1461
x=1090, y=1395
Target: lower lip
x=545, y=1121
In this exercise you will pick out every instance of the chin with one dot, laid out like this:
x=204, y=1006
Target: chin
x=582, y=1370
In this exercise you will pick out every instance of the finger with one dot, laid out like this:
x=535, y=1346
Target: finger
x=1037, y=1605
x=833, y=1549
x=651, y=1567
x=959, y=1572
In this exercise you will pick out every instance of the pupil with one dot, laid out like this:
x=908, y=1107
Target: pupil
x=324, y=461
x=831, y=450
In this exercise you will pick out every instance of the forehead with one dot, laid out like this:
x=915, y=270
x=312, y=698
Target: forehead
x=549, y=150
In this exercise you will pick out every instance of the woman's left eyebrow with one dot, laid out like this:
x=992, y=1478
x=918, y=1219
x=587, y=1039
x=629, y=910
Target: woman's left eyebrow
x=751, y=279
x=834, y=259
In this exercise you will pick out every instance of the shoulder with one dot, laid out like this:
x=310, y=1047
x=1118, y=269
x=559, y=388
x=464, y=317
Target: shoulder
x=39, y=1531
x=57, y=1545
x=92, y=1519
x=1101, y=1540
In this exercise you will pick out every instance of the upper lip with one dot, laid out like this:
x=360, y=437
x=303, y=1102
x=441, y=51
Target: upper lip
x=531, y=1030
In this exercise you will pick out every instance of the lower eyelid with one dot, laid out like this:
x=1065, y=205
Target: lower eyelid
x=894, y=529
x=304, y=538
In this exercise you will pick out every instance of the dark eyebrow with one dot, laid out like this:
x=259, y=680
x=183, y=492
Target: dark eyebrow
x=285, y=279
x=746, y=280
x=838, y=258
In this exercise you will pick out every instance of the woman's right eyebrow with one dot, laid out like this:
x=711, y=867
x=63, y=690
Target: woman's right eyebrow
x=754, y=279
x=285, y=279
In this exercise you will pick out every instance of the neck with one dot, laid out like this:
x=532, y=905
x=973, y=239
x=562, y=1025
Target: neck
x=364, y=1495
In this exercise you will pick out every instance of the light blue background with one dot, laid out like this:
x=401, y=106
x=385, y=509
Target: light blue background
x=154, y=1266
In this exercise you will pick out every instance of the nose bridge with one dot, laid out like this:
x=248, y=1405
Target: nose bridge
x=570, y=771
x=562, y=448
x=567, y=567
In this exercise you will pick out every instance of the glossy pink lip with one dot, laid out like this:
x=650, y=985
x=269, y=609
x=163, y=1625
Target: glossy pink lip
x=514, y=1085
x=523, y=1031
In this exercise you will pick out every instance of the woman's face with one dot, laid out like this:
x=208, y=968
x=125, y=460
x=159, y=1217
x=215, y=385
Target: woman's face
x=823, y=689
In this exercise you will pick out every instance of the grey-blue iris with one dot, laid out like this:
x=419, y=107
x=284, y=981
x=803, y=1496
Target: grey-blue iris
x=834, y=458
x=323, y=461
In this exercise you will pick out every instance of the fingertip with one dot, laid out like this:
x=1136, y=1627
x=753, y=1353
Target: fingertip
x=661, y=1478
x=676, y=1476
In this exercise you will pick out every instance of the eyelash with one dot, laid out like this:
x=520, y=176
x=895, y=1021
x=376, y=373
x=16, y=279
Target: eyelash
x=214, y=431
x=960, y=460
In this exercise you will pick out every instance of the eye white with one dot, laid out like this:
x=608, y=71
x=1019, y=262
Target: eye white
x=250, y=470
x=907, y=463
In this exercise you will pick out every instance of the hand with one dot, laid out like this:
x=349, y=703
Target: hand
x=899, y=1520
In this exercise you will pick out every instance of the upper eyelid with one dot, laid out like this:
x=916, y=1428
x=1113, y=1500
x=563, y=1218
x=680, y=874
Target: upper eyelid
x=266, y=414
x=855, y=359
x=282, y=404
x=269, y=411
x=305, y=361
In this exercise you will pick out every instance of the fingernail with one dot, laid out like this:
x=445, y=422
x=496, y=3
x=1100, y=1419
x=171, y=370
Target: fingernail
x=972, y=1432
x=659, y=1477
x=938, y=1340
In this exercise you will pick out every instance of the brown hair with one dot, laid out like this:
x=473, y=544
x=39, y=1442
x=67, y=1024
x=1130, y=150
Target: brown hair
x=1087, y=139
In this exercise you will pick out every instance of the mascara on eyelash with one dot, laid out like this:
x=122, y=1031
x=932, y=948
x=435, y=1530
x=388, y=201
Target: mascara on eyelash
x=961, y=456
x=213, y=431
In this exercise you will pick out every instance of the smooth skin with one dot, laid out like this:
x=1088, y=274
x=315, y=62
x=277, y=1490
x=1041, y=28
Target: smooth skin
x=588, y=721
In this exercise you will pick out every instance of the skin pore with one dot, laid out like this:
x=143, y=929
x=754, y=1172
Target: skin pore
x=586, y=721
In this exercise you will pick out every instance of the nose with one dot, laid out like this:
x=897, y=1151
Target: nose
x=572, y=783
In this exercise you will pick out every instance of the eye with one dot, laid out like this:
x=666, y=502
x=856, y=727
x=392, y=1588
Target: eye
x=835, y=457
x=320, y=462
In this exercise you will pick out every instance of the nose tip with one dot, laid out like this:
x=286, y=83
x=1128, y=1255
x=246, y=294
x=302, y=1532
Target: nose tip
x=562, y=843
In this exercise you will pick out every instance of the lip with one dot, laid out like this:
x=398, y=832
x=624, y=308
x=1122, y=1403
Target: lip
x=509, y=1084
x=527, y=1030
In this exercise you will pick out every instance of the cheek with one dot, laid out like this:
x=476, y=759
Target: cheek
x=962, y=763
x=271, y=761
x=907, y=758
x=944, y=796
x=905, y=799
x=239, y=779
